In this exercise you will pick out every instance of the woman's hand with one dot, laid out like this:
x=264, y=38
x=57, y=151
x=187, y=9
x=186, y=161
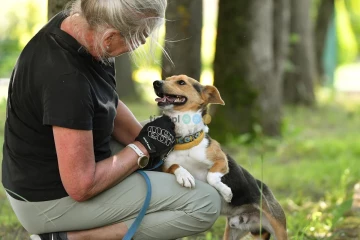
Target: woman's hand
x=158, y=136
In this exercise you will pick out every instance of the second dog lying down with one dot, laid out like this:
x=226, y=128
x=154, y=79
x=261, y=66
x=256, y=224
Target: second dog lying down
x=198, y=156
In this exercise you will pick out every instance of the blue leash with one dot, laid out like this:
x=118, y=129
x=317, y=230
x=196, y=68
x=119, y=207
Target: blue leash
x=133, y=228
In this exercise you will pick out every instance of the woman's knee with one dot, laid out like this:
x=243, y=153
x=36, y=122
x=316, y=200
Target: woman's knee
x=207, y=207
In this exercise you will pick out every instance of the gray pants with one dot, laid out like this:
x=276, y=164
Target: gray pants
x=174, y=211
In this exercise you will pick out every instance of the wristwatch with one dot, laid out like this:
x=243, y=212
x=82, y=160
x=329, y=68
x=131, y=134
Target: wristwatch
x=143, y=160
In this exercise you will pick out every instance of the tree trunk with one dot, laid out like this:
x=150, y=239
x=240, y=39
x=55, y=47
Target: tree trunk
x=183, y=38
x=325, y=12
x=244, y=69
x=281, y=16
x=281, y=38
x=55, y=6
x=299, y=81
x=125, y=85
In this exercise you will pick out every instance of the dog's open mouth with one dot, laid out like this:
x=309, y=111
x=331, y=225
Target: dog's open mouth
x=168, y=99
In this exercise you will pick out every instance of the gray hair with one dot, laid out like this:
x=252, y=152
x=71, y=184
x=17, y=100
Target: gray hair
x=136, y=20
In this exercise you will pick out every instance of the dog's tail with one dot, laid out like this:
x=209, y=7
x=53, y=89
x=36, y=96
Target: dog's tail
x=272, y=213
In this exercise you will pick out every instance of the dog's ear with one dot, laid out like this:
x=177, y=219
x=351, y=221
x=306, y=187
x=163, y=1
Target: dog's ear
x=211, y=95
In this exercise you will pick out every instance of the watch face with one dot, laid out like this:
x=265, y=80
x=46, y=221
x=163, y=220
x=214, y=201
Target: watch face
x=143, y=161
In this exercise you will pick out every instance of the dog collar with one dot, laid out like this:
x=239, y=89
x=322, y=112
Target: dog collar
x=187, y=142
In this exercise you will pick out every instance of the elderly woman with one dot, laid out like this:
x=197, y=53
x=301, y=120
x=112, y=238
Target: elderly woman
x=64, y=176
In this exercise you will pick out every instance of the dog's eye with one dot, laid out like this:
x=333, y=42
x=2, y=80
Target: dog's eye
x=181, y=82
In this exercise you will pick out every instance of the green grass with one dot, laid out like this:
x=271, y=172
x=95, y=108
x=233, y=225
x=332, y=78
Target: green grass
x=312, y=169
x=9, y=226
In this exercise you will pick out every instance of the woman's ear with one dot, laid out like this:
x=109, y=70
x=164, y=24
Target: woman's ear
x=211, y=95
x=108, y=38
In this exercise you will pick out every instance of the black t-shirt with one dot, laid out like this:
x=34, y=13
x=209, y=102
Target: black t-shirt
x=55, y=82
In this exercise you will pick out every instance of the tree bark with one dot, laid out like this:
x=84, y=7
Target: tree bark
x=281, y=17
x=325, y=13
x=55, y=6
x=299, y=82
x=183, y=38
x=244, y=69
x=281, y=38
x=125, y=85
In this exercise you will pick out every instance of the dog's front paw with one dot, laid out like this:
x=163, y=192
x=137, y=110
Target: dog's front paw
x=184, y=178
x=226, y=193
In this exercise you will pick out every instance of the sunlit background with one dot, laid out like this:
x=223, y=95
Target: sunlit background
x=23, y=18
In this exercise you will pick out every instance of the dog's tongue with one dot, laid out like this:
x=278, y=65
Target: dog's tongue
x=163, y=99
x=170, y=99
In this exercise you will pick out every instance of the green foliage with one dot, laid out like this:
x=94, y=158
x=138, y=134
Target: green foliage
x=315, y=4
x=347, y=45
x=9, y=50
x=353, y=7
x=23, y=19
x=2, y=121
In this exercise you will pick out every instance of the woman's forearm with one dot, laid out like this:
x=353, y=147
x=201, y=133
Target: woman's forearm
x=111, y=171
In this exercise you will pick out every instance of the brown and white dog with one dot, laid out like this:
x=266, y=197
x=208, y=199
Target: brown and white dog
x=197, y=156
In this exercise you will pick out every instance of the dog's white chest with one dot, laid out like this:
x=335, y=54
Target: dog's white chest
x=194, y=160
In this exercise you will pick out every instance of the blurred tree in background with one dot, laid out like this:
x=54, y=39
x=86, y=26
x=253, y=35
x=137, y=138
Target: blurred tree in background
x=353, y=7
x=299, y=79
x=325, y=14
x=248, y=66
x=281, y=39
x=125, y=85
x=55, y=6
x=183, y=38
x=347, y=46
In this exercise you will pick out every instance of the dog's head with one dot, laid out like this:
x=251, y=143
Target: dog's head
x=182, y=93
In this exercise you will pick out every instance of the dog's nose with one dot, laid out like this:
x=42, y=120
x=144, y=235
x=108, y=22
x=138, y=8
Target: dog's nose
x=157, y=84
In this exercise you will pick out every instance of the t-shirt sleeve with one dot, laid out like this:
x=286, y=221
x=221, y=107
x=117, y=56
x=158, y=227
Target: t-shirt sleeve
x=68, y=102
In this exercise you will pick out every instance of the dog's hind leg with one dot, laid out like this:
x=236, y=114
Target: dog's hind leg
x=264, y=235
x=233, y=233
x=214, y=179
x=219, y=169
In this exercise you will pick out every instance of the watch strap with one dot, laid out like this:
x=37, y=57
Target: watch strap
x=136, y=149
